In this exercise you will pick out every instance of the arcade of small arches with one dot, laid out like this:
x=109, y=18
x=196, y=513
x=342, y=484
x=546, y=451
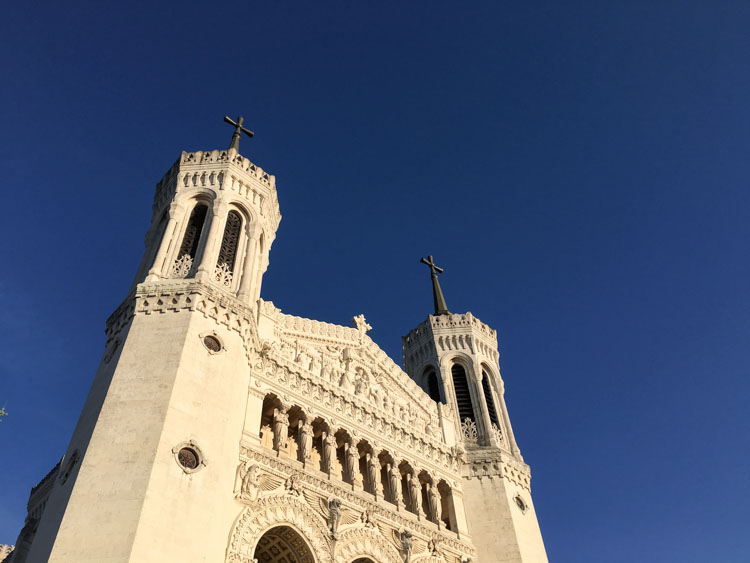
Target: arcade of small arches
x=336, y=452
x=474, y=401
x=218, y=241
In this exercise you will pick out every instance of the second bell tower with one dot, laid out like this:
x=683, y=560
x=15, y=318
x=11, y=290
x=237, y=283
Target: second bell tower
x=455, y=359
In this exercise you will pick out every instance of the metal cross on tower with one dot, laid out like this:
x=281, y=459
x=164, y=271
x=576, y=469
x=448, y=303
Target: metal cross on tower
x=238, y=128
x=441, y=308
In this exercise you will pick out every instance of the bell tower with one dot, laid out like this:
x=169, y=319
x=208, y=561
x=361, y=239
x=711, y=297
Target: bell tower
x=157, y=439
x=455, y=359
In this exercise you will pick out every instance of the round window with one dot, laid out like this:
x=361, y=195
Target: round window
x=520, y=503
x=212, y=343
x=187, y=458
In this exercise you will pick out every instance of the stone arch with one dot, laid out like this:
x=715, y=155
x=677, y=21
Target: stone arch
x=267, y=513
x=355, y=545
x=283, y=543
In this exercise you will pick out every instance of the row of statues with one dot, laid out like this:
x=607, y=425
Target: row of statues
x=411, y=496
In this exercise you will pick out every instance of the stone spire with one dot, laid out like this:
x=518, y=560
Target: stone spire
x=437, y=295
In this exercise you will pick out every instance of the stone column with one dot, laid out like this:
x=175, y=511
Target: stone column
x=247, y=268
x=158, y=268
x=486, y=431
x=259, y=271
x=211, y=243
x=508, y=430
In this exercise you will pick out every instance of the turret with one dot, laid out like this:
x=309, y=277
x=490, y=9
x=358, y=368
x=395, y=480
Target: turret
x=455, y=359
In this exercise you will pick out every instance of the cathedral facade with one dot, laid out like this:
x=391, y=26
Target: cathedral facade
x=221, y=429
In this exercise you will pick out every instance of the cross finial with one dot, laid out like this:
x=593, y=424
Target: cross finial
x=238, y=128
x=441, y=308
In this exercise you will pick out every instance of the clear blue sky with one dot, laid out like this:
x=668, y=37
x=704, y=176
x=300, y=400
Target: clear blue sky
x=580, y=170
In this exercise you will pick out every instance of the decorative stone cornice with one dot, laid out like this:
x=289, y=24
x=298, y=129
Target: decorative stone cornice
x=493, y=462
x=186, y=295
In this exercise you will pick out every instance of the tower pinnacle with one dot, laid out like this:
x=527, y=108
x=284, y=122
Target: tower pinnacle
x=238, y=128
x=441, y=308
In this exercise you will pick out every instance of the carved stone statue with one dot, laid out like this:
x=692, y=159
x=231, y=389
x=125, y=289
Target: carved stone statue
x=280, y=429
x=305, y=440
x=373, y=472
x=394, y=480
x=361, y=382
x=367, y=520
x=352, y=461
x=433, y=546
x=334, y=515
x=329, y=449
x=291, y=485
x=414, y=490
x=433, y=497
x=406, y=545
x=246, y=480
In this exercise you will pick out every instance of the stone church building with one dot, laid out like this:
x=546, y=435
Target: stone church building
x=219, y=428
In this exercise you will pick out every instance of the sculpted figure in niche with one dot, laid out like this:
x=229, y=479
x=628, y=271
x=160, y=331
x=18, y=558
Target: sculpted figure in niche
x=334, y=515
x=352, y=461
x=414, y=490
x=280, y=429
x=373, y=469
x=305, y=440
x=394, y=478
x=433, y=497
x=329, y=447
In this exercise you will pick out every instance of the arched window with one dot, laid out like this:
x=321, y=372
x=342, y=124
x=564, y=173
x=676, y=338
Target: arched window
x=229, y=245
x=463, y=395
x=433, y=387
x=487, y=388
x=189, y=247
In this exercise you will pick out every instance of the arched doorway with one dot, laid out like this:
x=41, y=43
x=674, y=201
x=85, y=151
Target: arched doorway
x=282, y=544
x=363, y=560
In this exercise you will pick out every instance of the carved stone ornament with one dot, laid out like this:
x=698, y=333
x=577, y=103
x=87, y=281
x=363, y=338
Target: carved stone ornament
x=266, y=513
x=212, y=342
x=407, y=544
x=189, y=456
x=497, y=433
x=223, y=275
x=182, y=266
x=334, y=515
x=366, y=543
x=469, y=431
